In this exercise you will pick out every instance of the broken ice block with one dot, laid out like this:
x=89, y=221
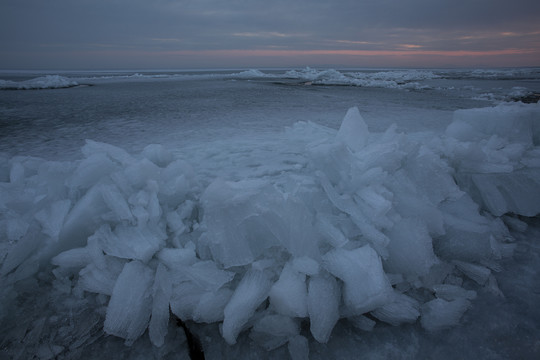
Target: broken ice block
x=249, y=294
x=366, y=286
x=131, y=302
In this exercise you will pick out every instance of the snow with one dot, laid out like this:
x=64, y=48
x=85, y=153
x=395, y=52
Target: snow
x=369, y=227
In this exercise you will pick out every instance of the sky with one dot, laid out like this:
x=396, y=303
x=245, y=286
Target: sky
x=189, y=34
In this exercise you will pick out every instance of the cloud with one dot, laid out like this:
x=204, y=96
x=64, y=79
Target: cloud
x=198, y=25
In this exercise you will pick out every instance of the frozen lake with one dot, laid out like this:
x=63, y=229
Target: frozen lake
x=279, y=213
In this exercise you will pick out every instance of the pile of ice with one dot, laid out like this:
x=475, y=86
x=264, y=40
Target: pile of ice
x=374, y=229
x=402, y=79
x=43, y=82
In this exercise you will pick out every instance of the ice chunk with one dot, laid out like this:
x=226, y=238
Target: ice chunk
x=440, y=314
x=78, y=258
x=16, y=228
x=501, y=193
x=272, y=331
x=410, y=249
x=332, y=234
x=362, y=322
x=452, y=292
x=515, y=224
x=161, y=295
x=232, y=220
x=252, y=290
x=185, y=298
x=366, y=286
x=288, y=295
x=402, y=309
x=468, y=233
x=212, y=305
x=157, y=154
x=510, y=121
x=91, y=170
x=432, y=175
x=347, y=205
x=306, y=265
x=113, y=152
x=21, y=250
x=177, y=258
x=101, y=279
x=130, y=242
x=298, y=348
x=206, y=274
x=138, y=173
x=52, y=219
x=117, y=204
x=353, y=130
x=176, y=182
x=87, y=216
x=323, y=306
x=478, y=273
x=130, y=306
x=237, y=213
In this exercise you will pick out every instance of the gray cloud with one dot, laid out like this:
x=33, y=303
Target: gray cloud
x=44, y=28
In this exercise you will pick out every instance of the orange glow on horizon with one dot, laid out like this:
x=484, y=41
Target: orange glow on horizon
x=286, y=53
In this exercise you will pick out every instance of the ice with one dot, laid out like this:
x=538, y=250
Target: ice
x=366, y=286
x=77, y=257
x=452, y=292
x=494, y=146
x=306, y=265
x=161, y=295
x=402, y=309
x=130, y=306
x=44, y=82
x=158, y=154
x=237, y=211
x=252, y=290
x=513, y=122
x=508, y=193
x=185, y=298
x=288, y=295
x=272, y=331
x=353, y=131
x=298, y=348
x=21, y=251
x=439, y=314
x=385, y=79
x=177, y=258
x=52, y=219
x=101, y=279
x=323, y=306
x=130, y=242
x=478, y=273
x=410, y=249
x=362, y=322
x=211, y=306
x=91, y=169
x=365, y=226
x=205, y=274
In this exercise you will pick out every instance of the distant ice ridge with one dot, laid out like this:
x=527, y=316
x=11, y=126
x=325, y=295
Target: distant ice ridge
x=373, y=224
x=407, y=79
x=44, y=82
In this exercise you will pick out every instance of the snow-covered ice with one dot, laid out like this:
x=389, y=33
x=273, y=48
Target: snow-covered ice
x=43, y=82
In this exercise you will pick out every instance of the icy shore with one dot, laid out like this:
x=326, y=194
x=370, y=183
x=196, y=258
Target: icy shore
x=351, y=226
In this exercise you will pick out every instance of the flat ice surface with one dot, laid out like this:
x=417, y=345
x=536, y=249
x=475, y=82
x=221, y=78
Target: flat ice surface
x=278, y=213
